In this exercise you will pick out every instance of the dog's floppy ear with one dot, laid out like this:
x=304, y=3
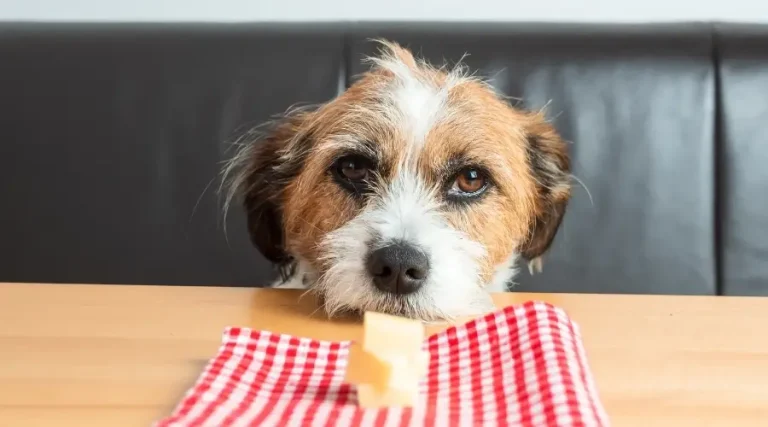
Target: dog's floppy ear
x=261, y=201
x=550, y=166
x=261, y=170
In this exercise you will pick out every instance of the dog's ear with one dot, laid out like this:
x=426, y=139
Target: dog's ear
x=261, y=171
x=550, y=166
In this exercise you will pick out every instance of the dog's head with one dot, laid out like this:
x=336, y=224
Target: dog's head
x=413, y=192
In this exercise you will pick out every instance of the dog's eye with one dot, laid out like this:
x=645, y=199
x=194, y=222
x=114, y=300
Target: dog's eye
x=469, y=182
x=353, y=168
x=353, y=173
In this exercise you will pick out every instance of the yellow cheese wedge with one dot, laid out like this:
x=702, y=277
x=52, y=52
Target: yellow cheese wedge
x=365, y=368
x=387, y=334
x=370, y=397
x=389, y=363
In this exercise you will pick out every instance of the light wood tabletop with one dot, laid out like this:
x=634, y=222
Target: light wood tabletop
x=97, y=355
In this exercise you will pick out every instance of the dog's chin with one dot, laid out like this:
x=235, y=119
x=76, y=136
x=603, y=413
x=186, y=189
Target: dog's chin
x=352, y=298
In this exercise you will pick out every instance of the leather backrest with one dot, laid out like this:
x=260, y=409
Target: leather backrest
x=637, y=103
x=743, y=158
x=112, y=138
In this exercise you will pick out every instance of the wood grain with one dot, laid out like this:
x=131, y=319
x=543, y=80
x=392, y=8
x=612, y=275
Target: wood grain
x=97, y=355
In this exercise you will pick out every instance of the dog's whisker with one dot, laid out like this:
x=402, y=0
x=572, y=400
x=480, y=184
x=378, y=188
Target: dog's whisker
x=584, y=186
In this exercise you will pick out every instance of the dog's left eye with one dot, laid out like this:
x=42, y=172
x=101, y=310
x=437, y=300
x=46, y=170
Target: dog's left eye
x=469, y=182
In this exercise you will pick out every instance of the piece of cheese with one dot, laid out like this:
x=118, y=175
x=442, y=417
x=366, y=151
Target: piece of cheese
x=365, y=368
x=389, y=364
x=403, y=387
x=370, y=397
x=387, y=334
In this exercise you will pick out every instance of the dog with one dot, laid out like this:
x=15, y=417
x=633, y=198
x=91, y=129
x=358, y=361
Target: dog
x=415, y=192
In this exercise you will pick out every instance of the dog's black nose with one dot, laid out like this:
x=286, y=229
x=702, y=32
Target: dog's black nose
x=399, y=268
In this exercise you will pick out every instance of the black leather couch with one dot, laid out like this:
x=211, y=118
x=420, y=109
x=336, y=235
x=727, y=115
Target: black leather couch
x=112, y=136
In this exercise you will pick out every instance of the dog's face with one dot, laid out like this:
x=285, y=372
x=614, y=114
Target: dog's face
x=414, y=192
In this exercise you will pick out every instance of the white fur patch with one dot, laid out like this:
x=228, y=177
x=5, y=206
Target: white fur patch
x=504, y=274
x=417, y=104
x=420, y=107
x=407, y=211
x=301, y=277
x=296, y=281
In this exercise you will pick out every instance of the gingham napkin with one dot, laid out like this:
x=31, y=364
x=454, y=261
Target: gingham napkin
x=521, y=366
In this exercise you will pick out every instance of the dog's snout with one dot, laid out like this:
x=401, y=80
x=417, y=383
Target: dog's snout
x=399, y=269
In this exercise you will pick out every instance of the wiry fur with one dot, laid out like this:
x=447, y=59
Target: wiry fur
x=417, y=124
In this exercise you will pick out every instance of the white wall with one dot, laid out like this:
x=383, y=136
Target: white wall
x=425, y=10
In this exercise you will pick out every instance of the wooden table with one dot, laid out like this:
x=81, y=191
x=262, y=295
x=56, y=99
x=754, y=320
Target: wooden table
x=73, y=355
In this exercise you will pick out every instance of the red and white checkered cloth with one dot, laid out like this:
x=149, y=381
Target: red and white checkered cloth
x=524, y=365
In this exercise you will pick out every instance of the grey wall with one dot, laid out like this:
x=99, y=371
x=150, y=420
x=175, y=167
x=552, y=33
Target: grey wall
x=401, y=10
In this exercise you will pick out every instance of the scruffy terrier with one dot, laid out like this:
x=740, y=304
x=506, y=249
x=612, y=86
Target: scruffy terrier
x=415, y=192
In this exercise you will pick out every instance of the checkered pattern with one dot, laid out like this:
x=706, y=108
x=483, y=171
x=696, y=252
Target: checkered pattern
x=524, y=365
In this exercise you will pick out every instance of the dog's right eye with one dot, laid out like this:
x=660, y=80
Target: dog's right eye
x=353, y=168
x=353, y=172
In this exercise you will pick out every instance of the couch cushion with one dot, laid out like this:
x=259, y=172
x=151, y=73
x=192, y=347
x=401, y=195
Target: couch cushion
x=638, y=104
x=743, y=178
x=112, y=138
